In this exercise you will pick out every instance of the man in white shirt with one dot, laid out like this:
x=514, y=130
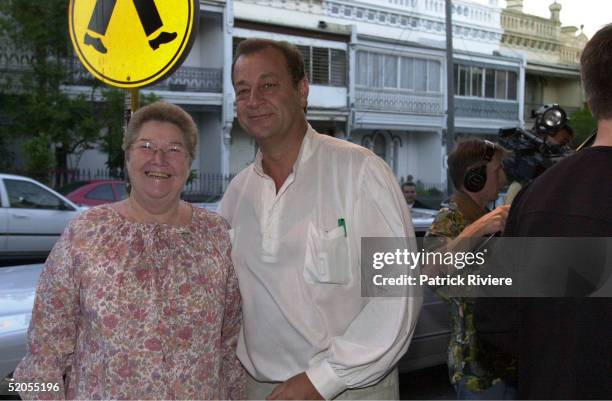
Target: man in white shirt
x=298, y=214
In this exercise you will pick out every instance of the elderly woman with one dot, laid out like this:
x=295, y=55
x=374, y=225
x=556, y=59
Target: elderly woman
x=139, y=299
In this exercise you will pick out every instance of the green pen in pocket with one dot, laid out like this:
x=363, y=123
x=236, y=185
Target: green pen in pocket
x=342, y=223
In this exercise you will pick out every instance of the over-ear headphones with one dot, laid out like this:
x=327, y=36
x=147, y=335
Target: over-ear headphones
x=476, y=177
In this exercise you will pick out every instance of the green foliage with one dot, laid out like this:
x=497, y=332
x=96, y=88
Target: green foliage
x=193, y=175
x=583, y=123
x=35, y=105
x=6, y=156
x=111, y=115
x=40, y=157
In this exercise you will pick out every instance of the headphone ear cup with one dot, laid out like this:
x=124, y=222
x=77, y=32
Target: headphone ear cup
x=475, y=179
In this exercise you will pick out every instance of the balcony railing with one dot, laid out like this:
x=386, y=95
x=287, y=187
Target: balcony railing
x=488, y=109
x=185, y=79
x=389, y=100
x=193, y=79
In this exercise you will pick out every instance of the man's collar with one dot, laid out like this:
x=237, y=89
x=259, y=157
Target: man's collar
x=307, y=148
x=471, y=210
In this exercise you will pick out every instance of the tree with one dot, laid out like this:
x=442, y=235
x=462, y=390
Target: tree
x=34, y=102
x=583, y=123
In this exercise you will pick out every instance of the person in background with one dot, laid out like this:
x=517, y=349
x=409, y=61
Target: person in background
x=298, y=214
x=475, y=167
x=139, y=299
x=410, y=194
x=562, y=345
x=562, y=137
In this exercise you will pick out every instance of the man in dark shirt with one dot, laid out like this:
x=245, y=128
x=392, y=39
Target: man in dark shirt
x=410, y=194
x=563, y=345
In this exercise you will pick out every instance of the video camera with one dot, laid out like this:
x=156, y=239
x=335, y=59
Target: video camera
x=532, y=154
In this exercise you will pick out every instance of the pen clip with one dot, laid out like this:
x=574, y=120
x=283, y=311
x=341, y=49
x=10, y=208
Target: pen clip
x=342, y=223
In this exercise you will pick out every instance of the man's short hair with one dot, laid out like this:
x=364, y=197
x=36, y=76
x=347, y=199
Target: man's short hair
x=408, y=184
x=293, y=57
x=595, y=64
x=468, y=153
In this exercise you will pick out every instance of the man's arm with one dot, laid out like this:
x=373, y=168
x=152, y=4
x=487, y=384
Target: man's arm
x=379, y=335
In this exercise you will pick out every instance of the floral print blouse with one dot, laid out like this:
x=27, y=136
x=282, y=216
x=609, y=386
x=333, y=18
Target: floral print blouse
x=132, y=310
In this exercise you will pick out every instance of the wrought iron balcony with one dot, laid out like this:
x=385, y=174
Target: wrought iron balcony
x=184, y=79
x=398, y=101
x=488, y=109
x=193, y=79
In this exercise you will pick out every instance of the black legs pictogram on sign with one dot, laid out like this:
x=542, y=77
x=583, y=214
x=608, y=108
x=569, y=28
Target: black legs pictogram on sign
x=147, y=13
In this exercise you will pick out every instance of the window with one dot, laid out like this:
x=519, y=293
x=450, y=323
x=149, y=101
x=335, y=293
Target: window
x=490, y=83
x=433, y=68
x=101, y=192
x=420, y=75
x=320, y=65
x=27, y=195
x=512, y=84
x=390, y=71
x=121, y=191
x=362, y=73
x=500, y=84
x=374, y=71
x=398, y=72
x=324, y=66
x=407, y=73
x=476, y=78
x=463, y=81
x=484, y=82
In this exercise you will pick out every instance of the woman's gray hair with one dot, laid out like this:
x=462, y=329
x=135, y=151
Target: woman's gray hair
x=163, y=112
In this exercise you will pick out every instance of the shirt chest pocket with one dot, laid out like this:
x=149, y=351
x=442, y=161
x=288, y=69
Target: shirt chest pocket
x=327, y=258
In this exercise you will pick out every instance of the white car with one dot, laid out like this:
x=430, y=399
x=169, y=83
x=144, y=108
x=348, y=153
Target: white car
x=17, y=291
x=32, y=217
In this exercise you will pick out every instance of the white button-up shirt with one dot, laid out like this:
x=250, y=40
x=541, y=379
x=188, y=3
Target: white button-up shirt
x=299, y=268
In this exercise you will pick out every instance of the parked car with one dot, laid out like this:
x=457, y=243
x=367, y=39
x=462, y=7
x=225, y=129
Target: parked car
x=422, y=219
x=32, y=217
x=98, y=192
x=17, y=290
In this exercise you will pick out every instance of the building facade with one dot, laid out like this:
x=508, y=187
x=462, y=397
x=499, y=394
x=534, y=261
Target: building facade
x=393, y=99
x=552, y=54
x=378, y=75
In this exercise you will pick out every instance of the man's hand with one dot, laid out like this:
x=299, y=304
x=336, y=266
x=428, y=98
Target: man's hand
x=298, y=387
x=493, y=221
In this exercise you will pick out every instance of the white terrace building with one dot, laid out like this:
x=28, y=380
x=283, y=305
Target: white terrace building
x=377, y=70
x=389, y=93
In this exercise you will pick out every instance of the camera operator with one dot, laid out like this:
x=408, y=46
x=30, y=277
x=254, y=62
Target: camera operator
x=475, y=167
x=561, y=137
x=563, y=344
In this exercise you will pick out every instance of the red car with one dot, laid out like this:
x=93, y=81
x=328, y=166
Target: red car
x=98, y=192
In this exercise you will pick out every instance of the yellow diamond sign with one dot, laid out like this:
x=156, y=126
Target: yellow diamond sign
x=132, y=43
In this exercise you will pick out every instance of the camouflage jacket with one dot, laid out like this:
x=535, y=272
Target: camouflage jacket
x=467, y=357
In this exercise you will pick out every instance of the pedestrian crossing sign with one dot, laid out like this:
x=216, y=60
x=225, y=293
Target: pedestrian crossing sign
x=132, y=43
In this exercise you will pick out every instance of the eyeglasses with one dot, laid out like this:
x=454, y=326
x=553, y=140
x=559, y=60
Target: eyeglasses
x=171, y=150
